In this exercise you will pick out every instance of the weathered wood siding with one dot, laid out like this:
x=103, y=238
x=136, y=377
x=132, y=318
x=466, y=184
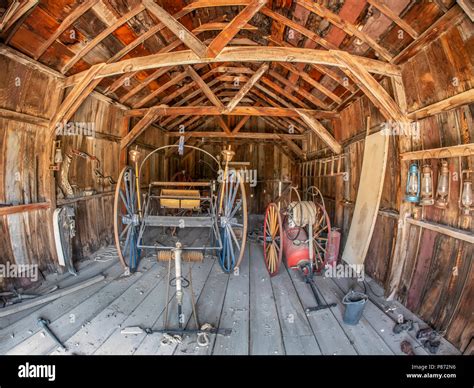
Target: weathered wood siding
x=437, y=278
x=269, y=162
x=24, y=175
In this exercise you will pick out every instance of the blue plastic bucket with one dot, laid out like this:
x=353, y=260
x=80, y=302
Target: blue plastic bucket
x=355, y=303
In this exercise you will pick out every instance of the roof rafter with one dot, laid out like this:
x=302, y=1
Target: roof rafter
x=347, y=27
x=233, y=28
x=15, y=12
x=204, y=87
x=181, y=32
x=246, y=88
x=322, y=132
x=100, y=37
x=394, y=17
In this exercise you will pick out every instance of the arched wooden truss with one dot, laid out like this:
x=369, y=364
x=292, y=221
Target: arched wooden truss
x=211, y=67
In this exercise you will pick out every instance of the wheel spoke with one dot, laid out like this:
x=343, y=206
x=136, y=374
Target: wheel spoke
x=235, y=210
x=232, y=196
x=234, y=237
x=122, y=196
x=127, y=240
x=124, y=231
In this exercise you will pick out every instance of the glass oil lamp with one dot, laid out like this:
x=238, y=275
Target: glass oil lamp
x=427, y=186
x=466, y=199
x=442, y=192
x=413, y=184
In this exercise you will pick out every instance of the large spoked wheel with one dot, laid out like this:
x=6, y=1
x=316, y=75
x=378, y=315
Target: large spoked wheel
x=232, y=211
x=321, y=235
x=272, y=229
x=126, y=220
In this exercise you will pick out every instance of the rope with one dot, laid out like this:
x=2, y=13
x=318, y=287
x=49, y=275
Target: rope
x=304, y=213
x=203, y=337
x=171, y=339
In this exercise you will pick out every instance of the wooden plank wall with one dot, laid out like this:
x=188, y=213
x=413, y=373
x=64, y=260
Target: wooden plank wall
x=93, y=231
x=93, y=198
x=24, y=239
x=437, y=280
x=270, y=163
x=28, y=99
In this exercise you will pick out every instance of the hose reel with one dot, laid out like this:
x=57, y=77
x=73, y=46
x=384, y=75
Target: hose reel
x=186, y=255
x=302, y=213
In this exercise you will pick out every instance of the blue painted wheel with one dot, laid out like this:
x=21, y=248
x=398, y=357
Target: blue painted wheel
x=126, y=220
x=232, y=213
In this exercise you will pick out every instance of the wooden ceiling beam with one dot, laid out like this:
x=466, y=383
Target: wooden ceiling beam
x=347, y=27
x=234, y=27
x=321, y=131
x=173, y=45
x=292, y=25
x=293, y=147
x=239, y=135
x=295, y=100
x=197, y=4
x=219, y=26
x=173, y=81
x=65, y=24
x=204, y=87
x=247, y=86
x=302, y=92
x=238, y=111
x=100, y=37
x=373, y=90
x=394, y=18
x=240, y=124
x=454, y=16
x=148, y=34
x=155, y=75
x=315, y=84
x=223, y=125
x=181, y=32
x=331, y=73
x=138, y=129
x=16, y=10
x=287, y=120
x=75, y=98
x=240, y=54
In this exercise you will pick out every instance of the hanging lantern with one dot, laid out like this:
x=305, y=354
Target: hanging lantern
x=427, y=186
x=466, y=199
x=58, y=156
x=442, y=192
x=413, y=184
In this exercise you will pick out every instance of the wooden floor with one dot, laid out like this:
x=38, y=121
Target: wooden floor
x=267, y=316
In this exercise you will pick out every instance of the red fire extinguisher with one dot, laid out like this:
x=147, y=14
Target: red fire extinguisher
x=295, y=247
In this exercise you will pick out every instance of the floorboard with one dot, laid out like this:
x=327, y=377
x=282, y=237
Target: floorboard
x=235, y=314
x=327, y=330
x=151, y=344
x=27, y=328
x=267, y=315
x=265, y=331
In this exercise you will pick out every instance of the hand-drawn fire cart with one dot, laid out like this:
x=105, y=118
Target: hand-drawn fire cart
x=219, y=205
x=300, y=231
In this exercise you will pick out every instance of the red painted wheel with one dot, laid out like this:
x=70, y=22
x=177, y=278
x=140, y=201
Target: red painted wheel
x=272, y=229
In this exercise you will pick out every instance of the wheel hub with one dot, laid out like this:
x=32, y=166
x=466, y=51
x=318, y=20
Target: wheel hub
x=133, y=219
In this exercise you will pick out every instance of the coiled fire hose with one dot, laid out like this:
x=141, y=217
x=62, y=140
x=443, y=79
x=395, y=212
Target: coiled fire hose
x=303, y=213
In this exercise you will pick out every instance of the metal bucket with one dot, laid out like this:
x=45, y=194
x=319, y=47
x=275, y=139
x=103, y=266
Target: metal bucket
x=355, y=303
